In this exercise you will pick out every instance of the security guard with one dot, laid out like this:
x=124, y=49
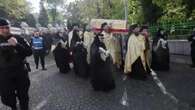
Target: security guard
x=14, y=79
x=39, y=49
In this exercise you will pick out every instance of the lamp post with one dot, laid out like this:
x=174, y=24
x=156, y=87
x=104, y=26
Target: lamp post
x=126, y=9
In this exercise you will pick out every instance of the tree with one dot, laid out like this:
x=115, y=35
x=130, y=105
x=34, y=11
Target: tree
x=53, y=9
x=73, y=13
x=43, y=16
x=30, y=20
x=139, y=11
x=14, y=10
x=151, y=11
x=135, y=14
x=83, y=11
x=190, y=8
x=173, y=11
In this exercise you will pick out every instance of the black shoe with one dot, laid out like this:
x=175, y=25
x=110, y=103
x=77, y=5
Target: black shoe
x=37, y=67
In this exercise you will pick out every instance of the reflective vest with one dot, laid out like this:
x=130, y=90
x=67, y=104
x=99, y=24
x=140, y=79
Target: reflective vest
x=37, y=43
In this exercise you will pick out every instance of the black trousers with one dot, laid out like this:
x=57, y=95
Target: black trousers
x=15, y=84
x=39, y=54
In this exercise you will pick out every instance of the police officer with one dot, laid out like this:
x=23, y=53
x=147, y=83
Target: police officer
x=39, y=49
x=14, y=79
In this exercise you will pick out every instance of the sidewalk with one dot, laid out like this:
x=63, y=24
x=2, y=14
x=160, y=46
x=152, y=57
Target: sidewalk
x=181, y=59
x=180, y=82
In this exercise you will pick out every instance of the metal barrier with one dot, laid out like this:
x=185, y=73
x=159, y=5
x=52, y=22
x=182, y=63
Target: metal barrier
x=179, y=47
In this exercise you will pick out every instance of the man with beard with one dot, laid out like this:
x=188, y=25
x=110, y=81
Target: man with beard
x=135, y=63
x=14, y=79
x=124, y=44
x=61, y=55
x=160, y=52
x=101, y=73
x=192, y=39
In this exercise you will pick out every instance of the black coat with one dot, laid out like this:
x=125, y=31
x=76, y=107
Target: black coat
x=62, y=58
x=14, y=56
x=80, y=60
x=101, y=73
x=160, y=57
x=12, y=65
x=192, y=39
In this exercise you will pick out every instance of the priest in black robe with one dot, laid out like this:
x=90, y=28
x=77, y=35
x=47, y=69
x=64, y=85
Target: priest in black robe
x=192, y=40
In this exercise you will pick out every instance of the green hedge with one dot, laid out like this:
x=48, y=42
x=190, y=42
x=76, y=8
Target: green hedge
x=175, y=30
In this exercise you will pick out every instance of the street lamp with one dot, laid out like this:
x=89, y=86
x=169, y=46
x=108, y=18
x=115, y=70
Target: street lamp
x=126, y=9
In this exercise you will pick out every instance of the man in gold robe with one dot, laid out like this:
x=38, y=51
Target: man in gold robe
x=112, y=45
x=135, y=62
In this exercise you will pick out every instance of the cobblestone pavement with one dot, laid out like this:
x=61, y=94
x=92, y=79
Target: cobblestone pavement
x=51, y=90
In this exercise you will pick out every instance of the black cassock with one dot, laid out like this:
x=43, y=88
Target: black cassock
x=62, y=58
x=160, y=57
x=101, y=74
x=80, y=60
x=192, y=39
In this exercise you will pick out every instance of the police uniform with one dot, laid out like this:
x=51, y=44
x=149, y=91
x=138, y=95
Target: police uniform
x=14, y=79
x=39, y=51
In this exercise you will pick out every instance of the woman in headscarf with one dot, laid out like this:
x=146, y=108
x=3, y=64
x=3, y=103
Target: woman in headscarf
x=160, y=52
x=101, y=74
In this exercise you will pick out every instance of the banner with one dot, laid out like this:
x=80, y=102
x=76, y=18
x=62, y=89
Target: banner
x=117, y=26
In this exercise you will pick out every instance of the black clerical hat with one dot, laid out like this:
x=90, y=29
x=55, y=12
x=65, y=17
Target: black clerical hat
x=4, y=22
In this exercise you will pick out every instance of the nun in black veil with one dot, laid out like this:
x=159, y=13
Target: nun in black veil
x=160, y=52
x=101, y=73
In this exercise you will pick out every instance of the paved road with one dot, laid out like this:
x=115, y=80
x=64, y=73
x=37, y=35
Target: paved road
x=51, y=90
